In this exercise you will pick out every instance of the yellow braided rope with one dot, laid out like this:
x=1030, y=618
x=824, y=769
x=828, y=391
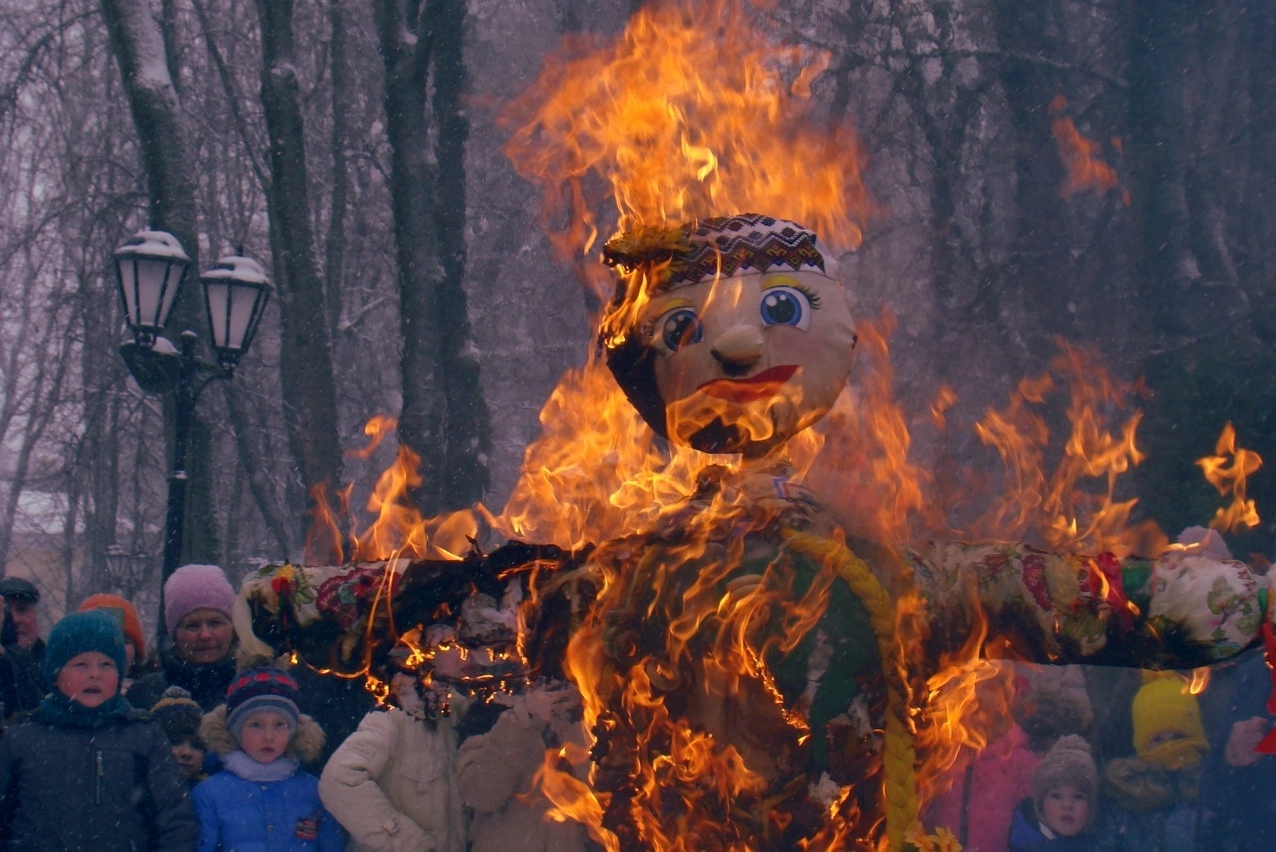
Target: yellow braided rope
x=899, y=758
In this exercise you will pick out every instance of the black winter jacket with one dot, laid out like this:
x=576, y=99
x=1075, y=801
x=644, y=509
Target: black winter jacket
x=111, y=788
x=206, y=683
x=21, y=681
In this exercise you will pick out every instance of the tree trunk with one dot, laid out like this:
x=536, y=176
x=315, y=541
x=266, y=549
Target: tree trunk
x=335, y=248
x=1167, y=270
x=467, y=431
x=70, y=524
x=138, y=43
x=1039, y=258
x=305, y=352
x=444, y=417
x=45, y=396
x=254, y=468
x=1258, y=229
x=946, y=110
x=407, y=68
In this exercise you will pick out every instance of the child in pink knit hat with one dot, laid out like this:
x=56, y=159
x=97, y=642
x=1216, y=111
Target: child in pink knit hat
x=198, y=654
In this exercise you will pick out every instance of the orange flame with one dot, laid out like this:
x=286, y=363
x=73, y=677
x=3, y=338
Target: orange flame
x=1086, y=169
x=945, y=398
x=398, y=528
x=1228, y=471
x=968, y=706
x=323, y=538
x=1057, y=508
x=698, y=770
x=862, y=469
x=597, y=471
x=377, y=428
x=693, y=111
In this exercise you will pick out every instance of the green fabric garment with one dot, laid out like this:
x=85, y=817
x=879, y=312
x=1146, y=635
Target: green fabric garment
x=1135, y=574
x=849, y=630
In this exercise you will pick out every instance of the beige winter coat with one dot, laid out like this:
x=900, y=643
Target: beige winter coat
x=496, y=773
x=392, y=785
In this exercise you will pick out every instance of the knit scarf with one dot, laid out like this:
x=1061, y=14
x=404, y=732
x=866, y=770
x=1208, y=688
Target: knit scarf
x=64, y=712
x=239, y=763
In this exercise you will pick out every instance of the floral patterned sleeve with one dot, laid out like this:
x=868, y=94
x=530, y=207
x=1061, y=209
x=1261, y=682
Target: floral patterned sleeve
x=1179, y=611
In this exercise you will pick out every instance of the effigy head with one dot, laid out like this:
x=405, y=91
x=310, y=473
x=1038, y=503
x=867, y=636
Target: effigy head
x=729, y=334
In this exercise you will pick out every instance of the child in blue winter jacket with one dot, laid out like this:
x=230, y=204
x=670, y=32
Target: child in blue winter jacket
x=262, y=799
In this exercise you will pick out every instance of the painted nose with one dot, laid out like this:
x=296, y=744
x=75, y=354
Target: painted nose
x=738, y=348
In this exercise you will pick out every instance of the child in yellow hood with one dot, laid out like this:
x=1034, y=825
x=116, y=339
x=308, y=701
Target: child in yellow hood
x=1152, y=800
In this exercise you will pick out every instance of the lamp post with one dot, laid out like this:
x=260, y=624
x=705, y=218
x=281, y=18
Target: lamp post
x=126, y=569
x=149, y=270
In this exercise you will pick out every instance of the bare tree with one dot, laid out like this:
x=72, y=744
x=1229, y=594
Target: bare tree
x=335, y=246
x=35, y=367
x=142, y=52
x=306, y=357
x=444, y=417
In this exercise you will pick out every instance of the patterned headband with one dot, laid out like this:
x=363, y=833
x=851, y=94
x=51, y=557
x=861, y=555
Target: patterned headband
x=722, y=246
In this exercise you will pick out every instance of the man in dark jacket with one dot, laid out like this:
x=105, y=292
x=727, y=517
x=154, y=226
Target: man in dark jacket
x=21, y=617
x=21, y=681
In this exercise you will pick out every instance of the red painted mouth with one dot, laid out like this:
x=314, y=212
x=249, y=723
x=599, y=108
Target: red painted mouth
x=760, y=386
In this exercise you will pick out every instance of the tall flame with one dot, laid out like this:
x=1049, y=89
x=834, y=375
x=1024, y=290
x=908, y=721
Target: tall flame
x=693, y=111
x=398, y=528
x=597, y=471
x=1227, y=470
x=1064, y=509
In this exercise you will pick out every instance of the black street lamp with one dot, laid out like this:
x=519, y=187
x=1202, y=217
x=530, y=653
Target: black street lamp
x=126, y=569
x=149, y=271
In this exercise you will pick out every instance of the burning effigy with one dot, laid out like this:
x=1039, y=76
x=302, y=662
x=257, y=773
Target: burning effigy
x=746, y=675
x=753, y=673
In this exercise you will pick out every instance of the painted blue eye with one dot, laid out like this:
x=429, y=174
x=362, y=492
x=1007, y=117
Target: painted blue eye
x=786, y=306
x=680, y=327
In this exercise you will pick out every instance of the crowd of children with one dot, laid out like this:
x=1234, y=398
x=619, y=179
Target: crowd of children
x=115, y=757
x=1166, y=788
x=87, y=769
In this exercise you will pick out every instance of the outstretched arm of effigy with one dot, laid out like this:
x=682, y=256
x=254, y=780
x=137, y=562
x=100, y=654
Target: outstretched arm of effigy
x=1182, y=610
x=338, y=618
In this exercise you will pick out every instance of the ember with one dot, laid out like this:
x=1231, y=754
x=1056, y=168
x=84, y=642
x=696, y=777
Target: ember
x=1086, y=169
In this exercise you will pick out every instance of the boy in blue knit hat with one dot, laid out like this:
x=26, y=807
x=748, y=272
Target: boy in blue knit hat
x=86, y=751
